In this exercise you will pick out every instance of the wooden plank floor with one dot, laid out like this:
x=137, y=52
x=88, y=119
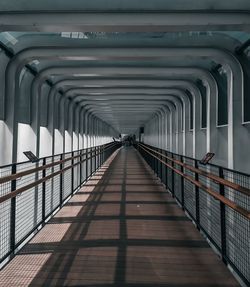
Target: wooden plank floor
x=121, y=229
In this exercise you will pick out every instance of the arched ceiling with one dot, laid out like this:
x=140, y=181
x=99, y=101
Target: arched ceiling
x=122, y=60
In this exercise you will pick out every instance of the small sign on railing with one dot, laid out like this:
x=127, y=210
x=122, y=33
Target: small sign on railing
x=31, y=157
x=205, y=160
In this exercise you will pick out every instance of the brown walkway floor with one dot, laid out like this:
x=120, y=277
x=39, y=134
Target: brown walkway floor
x=121, y=229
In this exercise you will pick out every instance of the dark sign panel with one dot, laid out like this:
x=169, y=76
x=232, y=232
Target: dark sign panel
x=31, y=156
x=207, y=158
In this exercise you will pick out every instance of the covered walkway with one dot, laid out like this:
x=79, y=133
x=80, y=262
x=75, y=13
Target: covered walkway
x=121, y=229
x=82, y=80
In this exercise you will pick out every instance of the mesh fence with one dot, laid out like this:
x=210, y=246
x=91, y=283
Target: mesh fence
x=226, y=228
x=76, y=162
x=237, y=226
x=84, y=167
x=67, y=177
x=189, y=187
x=209, y=207
x=44, y=191
x=5, y=214
x=28, y=203
x=169, y=173
x=49, y=188
x=177, y=179
x=52, y=186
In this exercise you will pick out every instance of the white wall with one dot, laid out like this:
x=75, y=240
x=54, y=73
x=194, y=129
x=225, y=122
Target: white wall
x=5, y=143
x=45, y=142
x=26, y=141
x=58, y=142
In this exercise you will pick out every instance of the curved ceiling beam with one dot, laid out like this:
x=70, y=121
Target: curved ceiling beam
x=219, y=56
x=173, y=72
x=124, y=22
x=223, y=40
x=168, y=93
x=137, y=108
x=167, y=84
x=180, y=72
x=123, y=6
x=189, y=86
x=65, y=82
x=194, y=73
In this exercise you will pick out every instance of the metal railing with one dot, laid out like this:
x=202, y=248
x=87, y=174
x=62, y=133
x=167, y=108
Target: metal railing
x=217, y=199
x=31, y=192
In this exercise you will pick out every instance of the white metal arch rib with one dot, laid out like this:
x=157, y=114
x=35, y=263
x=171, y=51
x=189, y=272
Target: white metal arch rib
x=219, y=56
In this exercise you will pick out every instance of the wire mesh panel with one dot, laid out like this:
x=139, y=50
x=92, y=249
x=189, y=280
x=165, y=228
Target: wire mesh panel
x=28, y=203
x=43, y=190
x=76, y=169
x=84, y=167
x=189, y=188
x=5, y=218
x=238, y=227
x=55, y=188
x=177, y=179
x=159, y=165
x=237, y=241
x=169, y=172
x=49, y=188
x=67, y=177
x=92, y=161
x=206, y=200
x=88, y=163
x=164, y=169
x=210, y=217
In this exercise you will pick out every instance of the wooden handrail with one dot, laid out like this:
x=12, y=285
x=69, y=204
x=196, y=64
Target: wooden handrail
x=33, y=170
x=208, y=190
x=43, y=167
x=209, y=175
x=36, y=169
x=35, y=183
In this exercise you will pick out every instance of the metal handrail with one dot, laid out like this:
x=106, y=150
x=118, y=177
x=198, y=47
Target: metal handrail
x=81, y=164
x=44, y=167
x=209, y=175
x=210, y=191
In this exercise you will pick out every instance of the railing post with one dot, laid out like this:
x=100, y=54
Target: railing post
x=157, y=164
x=98, y=157
x=13, y=213
x=148, y=157
x=166, y=171
x=43, y=192
x=87, y=164
x=154, y=161
x=223, y=219
x=101, y=151
x=197, y=198
x=104, y=154
x=182, y=185
x=72, y=174
x=160, y=172
x=95, y=159
x=80, y=167
x=61, y=181
x=172, y=175
x=91, y=163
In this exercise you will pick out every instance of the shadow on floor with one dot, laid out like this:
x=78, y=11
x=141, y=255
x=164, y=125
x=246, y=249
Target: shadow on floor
x=121, y=229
